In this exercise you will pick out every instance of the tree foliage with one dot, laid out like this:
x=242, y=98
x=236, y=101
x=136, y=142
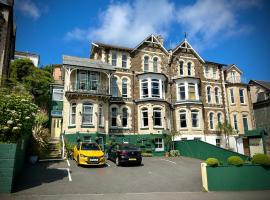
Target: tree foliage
x=35, y=80
x=227, y=129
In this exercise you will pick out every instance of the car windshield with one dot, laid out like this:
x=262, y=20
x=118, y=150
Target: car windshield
x=128, y=147
x=89, y=146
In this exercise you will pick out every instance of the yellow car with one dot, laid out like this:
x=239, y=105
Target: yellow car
x=88, y=153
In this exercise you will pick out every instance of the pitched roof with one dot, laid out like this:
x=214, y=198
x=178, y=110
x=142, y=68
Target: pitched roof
x=265, y=84
x=111, y=46
x=228, y=67
x=214, y=63
x=86, y=62
x=185, y=44
x=152, y=39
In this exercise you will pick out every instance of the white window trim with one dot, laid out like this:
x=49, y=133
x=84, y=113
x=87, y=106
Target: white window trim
x=161, y=117
x=181, y=112
x=198, y=119
x=213, y=120
x=186, y=83
x=162, y=142
x=126, y=117
x=142, y=122
x=243, y=96
x=232, y=96
x=70, y=116
x=112, y=117
x=91, y=114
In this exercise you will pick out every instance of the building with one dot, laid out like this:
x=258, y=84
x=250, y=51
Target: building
x=7, y=37
x=141, y=94
x=260, y=97
x=26, y=55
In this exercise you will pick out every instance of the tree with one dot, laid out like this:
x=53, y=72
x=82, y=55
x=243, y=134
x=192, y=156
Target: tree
x=35, y=80
x=169, y=139
x=227, y=130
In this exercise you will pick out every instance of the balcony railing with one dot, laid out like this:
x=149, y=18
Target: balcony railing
x=86, y=87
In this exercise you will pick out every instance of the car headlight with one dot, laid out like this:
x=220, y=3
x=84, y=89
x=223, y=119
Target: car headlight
x=83, y=156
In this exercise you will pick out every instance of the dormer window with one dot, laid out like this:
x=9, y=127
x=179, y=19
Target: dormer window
x=114, y=58
x=146, y=64
x=233, y=76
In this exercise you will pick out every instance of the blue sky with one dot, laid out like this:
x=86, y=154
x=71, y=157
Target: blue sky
x=224, y=31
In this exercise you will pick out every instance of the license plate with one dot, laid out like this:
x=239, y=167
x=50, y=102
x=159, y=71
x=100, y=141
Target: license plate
x=132, y=159
x=93, y=160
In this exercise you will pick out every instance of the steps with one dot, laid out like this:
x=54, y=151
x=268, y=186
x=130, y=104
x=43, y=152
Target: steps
x=54, y=149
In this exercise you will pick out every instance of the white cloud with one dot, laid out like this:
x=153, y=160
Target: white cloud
x=209, y=21
x=28, y=8
x=127, y=24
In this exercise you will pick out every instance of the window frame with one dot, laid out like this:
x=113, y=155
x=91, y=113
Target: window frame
x=189, y=69
x=208, y=93
x=156, y=111
x=159, y=144
x=157, y=87
x=73, y=113
x=217, y=95
x=183, y=113
x=241, y=97
x=124, y=60
x=232, y=96
x=100, y=115
x=146, y=63
x=114, y=58
x=180, y=93
x=155, y=64
x=144, y=88
x=192, y=85
x=125, y=87
x=235, y=122
x=211, y=121
x=85, y=114
x=143, y=117
x=181, y=68
x=124, y=117
x=114, y=116
x=197, y=118
x=58, y=92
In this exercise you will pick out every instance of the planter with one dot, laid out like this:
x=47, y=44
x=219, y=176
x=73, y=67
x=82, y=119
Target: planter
x=233, y=178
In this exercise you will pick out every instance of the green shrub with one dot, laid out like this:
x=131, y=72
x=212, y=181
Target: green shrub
x=213, y=162
x=235, y=160
x=145, y=154
x=174, y=153
x=261, y=159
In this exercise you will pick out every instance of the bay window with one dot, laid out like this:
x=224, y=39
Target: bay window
x=182, y=91
x=191, y=91
x=157, y=117
x=155, y=88
x=87, y=113
x=144, y=88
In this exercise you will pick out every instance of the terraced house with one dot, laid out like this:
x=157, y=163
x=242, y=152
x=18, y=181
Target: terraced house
x=133, y=94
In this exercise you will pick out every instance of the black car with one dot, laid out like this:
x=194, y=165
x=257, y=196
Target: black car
x=125, y=153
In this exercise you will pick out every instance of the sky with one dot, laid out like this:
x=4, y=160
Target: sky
x=223, y=31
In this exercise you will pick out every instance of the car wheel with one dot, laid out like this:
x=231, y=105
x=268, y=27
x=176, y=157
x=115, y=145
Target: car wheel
x=117, y=162
x=78, y=161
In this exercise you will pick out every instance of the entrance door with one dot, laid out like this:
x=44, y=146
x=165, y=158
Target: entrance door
x=246, y=147
x=56, y=127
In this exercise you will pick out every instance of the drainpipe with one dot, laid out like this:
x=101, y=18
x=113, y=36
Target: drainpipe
x=133, y=101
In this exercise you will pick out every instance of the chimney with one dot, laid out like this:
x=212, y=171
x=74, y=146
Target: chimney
x=160, y=39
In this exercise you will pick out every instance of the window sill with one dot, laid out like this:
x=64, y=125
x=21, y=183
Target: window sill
x=87, y=126
x=183, y=129
x=159, y=150
x=120, y=128
x=72, y=126
x=158, y=128
x=101, y=126
x=144, y=128
x=243, y=104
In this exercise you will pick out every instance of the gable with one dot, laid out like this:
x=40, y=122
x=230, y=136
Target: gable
x=153, y=41
x=233, y=66
x=184, y=46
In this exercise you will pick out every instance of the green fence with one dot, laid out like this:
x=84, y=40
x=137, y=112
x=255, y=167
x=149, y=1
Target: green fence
x=202, y=150
x=12, y=157
x=246, y=177
x=144, y=141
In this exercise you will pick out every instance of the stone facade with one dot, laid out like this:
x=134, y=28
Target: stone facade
x=152, y=90
x=7, y=38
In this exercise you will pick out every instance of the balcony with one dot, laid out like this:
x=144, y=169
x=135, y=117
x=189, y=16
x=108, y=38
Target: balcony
x=87, y=88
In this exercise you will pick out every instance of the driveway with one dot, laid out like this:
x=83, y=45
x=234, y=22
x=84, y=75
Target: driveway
x=155, y=175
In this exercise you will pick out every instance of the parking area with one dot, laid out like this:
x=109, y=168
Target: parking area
x=155, y=175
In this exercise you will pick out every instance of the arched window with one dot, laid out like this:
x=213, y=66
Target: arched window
x=114, y=87
x=209, y=94
x=87, y=113
x=124, y=117
x=124, y=87
x=72, y=117
x=146, y=63
x=217, y=95
x=114, y=117
x=211, y=120
x=155, y=64
x=157, y=117
x=183, y=119
x=181, y=68
x=219, y=118
x=144, y=117
x=189, y=69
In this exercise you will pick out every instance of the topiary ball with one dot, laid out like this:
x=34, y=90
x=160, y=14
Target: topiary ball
x=235, y=160
x=213, y=162
x=261, y=159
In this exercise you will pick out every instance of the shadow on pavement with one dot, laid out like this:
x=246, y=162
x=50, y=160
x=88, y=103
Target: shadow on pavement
x=35, y=175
